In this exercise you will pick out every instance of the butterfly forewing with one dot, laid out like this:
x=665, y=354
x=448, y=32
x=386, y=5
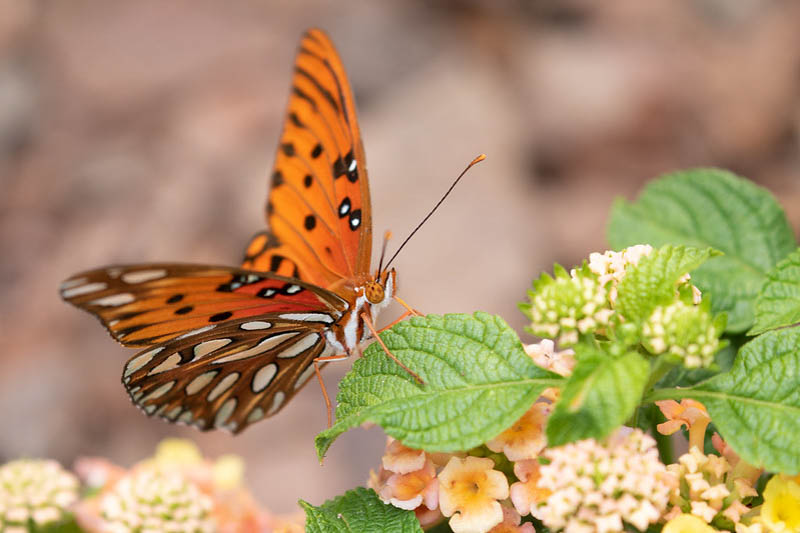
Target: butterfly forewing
x=318, y=209
x=146, y=305
x=243, y=371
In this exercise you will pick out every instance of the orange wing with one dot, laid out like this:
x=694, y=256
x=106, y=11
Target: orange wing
x=318, y=209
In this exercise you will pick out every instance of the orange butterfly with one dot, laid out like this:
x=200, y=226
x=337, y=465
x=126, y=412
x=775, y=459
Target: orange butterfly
x=225, y=347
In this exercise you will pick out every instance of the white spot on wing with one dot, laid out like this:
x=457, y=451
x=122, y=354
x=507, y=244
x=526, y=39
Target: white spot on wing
x=352, y=166
x=255, y=324
x=255, y=414
x=140, y=276
x=196, y=331
x=140, y=360
x=159, y=392
x=299, y=347
x=293, y=289
x=224, y=384
x=114, y=300
x=198, y=383
x=149, y=409
x=264, y=377
x=277, y=402
x=261, y=347
x=173, y=414
x=186, y=417
x=167, y=364
x=225, y=412
x=84, y=289
x=205, y=348
x=308, y=317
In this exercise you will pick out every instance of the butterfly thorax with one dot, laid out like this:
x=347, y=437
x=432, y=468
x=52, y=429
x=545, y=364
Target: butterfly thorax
x=370, y=297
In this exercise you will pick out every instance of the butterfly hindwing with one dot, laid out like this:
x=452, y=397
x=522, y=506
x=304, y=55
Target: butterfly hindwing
x=318, y=209
x=146, y=305
x=242, y=372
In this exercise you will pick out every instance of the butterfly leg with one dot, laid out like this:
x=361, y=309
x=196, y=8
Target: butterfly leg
x=326, y=359
x=368, y=321
x=410, y=310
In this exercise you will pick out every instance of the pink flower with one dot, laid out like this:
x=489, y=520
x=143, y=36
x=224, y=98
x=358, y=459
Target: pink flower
x=525, y=438
x=469, y=490
x=401, y=459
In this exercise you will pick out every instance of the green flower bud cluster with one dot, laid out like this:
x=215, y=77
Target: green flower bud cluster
x=568, y=305
x=684, y=330
x=152, y=500
x=34, y=490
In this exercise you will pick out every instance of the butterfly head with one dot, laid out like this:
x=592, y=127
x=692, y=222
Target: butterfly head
x=380, y=290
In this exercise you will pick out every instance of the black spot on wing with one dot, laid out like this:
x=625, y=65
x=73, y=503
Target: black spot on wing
x=225, y=315
x=288, y=149
x=175, y=298
x=295, y=120
x=310, y=222
x=275, y=262
x=277, y=178
x=317, y=151
x=184, y=310
x=308, y=180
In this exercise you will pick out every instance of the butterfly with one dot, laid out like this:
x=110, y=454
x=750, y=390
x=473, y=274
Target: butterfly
x=224, y=347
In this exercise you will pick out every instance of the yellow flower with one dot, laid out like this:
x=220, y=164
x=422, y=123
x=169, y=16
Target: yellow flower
x=781, y=509
x=687, y=523
x=525, y=438
x=177, y=452
x=468, y=492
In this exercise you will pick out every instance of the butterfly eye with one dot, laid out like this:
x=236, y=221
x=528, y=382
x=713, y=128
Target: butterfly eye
x=374, y=292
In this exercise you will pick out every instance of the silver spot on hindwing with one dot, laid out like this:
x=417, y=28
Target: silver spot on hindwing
x=225, y=412
x=277, y=402
x=186, y=417
x=173, y=414
x=140, y=360
x=159, y=392
x=167, y=364
x=114, y=300
x=221, y=387
x=256, y=324
x=308, y=317
x=199, y=383
x=264, y=377
x=72, y=283
x=205, y=348
x=196, y=331
x=299, y=347
x=255, y=414
x=261, y=347
x=293, y=289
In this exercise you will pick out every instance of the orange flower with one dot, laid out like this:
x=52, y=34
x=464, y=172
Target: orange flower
x=690, y=413
x=511, y=523
x=525, y=438
x=525, y=493
x=468, y=492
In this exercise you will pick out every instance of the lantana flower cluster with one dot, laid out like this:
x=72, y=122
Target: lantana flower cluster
x=584, y=301
x=176, y=490
x=37, y=491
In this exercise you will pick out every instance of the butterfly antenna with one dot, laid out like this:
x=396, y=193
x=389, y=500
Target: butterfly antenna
x=386, y=237
x=473, y=163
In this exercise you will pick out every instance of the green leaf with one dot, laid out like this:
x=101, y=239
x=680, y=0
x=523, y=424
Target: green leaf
x=358, y=510
x=756, y=406
x=778, y=302
x=477, y=378
x=651, y=282
x=711, y=208
x=600, y=396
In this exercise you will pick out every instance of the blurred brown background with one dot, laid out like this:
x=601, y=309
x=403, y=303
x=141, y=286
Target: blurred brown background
x=141, y=131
